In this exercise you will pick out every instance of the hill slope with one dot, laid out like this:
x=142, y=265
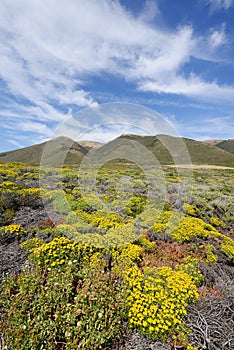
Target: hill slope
x=169, y=149
x=212, y=142
x=52, y=151
x=227, y=145
x=165, y=149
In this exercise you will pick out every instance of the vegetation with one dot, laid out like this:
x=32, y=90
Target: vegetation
x=106, y=258
x=227, y=145
x=63, y=150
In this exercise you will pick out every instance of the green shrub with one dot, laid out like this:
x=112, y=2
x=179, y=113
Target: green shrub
x=72, y=311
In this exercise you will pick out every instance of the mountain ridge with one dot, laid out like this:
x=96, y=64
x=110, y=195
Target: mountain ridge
x=165, y=148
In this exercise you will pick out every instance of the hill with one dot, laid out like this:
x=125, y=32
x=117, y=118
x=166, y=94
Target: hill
x=213, y=142
x=165, y=149
x=53, y=150
x=91, y=144
x=169, y=150
x=227, y=145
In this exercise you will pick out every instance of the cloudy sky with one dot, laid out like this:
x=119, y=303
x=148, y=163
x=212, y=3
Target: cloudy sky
x=59, y=57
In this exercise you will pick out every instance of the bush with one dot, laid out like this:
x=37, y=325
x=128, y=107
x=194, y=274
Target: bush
x=75, y=311
x=13, y=229
x=158, y=300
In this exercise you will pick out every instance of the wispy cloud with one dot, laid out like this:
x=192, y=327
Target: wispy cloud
x=220, y=4
x=218, y=38
x=49, y=52
x=192, y=86
x=209, y=127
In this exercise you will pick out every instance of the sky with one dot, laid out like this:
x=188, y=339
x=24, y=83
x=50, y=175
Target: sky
x=60, y=58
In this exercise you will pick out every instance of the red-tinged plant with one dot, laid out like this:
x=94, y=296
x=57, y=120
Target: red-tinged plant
x=169, y=254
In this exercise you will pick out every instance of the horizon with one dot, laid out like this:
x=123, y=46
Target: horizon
x=60, y=59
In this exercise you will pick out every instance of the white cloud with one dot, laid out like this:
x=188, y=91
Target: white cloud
x=193, y=86
x=219, y=4
x=220, y=127
x=218, y=38
x=33, y=127
x=150, y=11
x=15, y=143
x=50, y=50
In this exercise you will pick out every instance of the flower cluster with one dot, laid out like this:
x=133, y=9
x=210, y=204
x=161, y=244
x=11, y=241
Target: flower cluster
x=8, y=185
x=59, y=252
x=191, y=227
x=158, y=299
x=130, y=255
x=216, y=222
x=228, y=247
x=145, y=243
x=190, y=265
x=210, y=256
x=32, y=244
x=191, y=210
x=14, y=230
x=106, y=220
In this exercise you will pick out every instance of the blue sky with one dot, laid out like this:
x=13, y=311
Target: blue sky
x=59, y=57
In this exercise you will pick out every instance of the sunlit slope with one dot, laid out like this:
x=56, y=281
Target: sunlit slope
x=227, y=145
x=169, y=150
x=51, y=152
x=162, y=148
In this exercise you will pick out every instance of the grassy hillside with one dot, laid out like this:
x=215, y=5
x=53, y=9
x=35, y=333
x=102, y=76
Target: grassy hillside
x=199, y=152
x=227, y=145
x=91, y=144
x=53, y=150
x=166, y=149
x=213, y=142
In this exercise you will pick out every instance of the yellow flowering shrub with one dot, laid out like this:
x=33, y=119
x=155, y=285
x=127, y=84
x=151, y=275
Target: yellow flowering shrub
x=190, y=227
x=166, y=222
x=210, y=256
x=79, y=217
x=59, y=252
x=190, y=266
x=89, y=202
x=107, y=220
x=31, y=191
x=100, y=219
x=148, y=217
x=94, y=240
x=130, y=255
x=158, y=299
x=32, y=244
x=8, y=185
x=145, y=243
x=228, y=247
x=119, y=236
x=14, y=230
x=191, y=210
x=216, y=222
x=66, y=229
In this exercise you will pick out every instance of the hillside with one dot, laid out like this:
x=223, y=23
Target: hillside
x=199, y=152
x=227, y=145
x=166, y=149
x=54, y=149
x=91, y=144
x=213, y=142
